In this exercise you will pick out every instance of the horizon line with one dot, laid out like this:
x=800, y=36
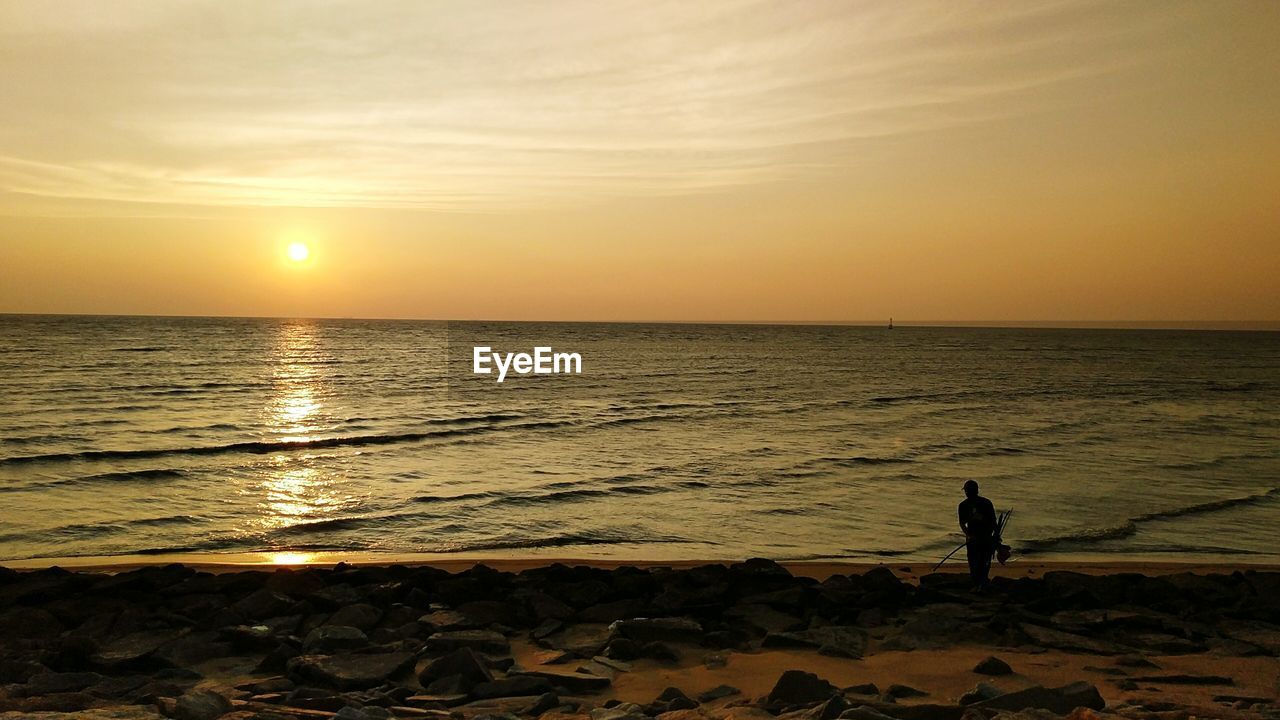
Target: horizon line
x=1222, y=325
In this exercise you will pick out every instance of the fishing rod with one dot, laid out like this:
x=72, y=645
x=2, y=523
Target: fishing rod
x=1000, y=524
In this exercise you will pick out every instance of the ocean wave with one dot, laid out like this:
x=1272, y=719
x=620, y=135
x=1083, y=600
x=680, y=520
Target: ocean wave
x=262, y=447
x=1129, y=527
x=610, y=536
x=122, y=476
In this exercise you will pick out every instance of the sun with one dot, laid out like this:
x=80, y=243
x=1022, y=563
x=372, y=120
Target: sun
x=299, y=252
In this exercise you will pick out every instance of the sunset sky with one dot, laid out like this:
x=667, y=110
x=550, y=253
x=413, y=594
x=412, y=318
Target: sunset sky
x=732, y=161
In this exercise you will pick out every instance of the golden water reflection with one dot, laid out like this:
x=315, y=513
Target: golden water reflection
x=292, y=558
x=295, y=490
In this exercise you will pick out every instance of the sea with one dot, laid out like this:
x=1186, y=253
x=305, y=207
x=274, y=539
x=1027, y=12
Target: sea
x=125, y=436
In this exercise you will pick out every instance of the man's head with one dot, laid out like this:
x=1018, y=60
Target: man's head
x=971, y=488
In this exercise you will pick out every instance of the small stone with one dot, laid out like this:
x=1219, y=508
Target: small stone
x=980, y=692
x=898, y=692
x=993, y=666
x=717, y=692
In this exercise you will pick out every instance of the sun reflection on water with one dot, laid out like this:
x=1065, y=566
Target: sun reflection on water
x=292, y=558
x=293, y=490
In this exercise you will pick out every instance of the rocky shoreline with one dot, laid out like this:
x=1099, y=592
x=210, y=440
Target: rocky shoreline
x=568, y=643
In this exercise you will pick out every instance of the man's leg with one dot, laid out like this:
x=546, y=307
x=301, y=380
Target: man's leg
x=974, y=554
x=984, y=566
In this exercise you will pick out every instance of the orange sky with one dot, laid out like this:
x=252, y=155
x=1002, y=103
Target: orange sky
x=731, y=161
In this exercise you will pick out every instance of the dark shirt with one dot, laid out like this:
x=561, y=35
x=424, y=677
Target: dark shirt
x=978, y=517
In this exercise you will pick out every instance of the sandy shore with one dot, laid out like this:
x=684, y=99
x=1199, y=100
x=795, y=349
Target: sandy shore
x=586, y=639
x=817, y=569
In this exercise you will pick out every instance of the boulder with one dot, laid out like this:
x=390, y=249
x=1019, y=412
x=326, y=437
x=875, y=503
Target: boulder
x=348, y=672
x=1059, y=640
x=486, y=641
x=673, y=629
x=517, y=686
x=717, y=692
x=359, y=615
x=47, y=683
x=797, y=687
x=621, y=711
x=835, y=640
x=201, y=705
x=464, y=663
x=262, y=604
x=1060, y=700
x=332, y=638
x=577, y=683
x=130, y=649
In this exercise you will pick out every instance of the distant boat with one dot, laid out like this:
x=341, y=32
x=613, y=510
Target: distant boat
x=890, y=323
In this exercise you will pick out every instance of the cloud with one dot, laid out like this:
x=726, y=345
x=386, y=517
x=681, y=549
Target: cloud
x=482, y=105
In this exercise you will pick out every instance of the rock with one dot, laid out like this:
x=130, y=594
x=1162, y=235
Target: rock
x=106, y=713
x=1050, y=638
x=864, y=712
x=359, y=615
x=332, y=638
x=29, y=623
x=716, y=660
x=47, y=683
x=612, y=611
x=646, y=630
x=201, y=705
x=1135, y=661
x=993, y=666
x=869, y=689
x=130, y=650
x=442, y=620
x=1185, y=680
x=517, y=686
x=898, y=692
x=19, y=671
x=717, y=692
x=576, y=683
x=544, y=607
x=430, y=700
x=796, y=687
x=621, y=711
x=622, y=649
x=980, y=692
x=661, y=652
x=492, y=612
x=463, y=663
x=612, y=664
x=745, y=712
x=546, y=629
x=764, y=619
x=262, y=604
x=545, y=702
x=584, y=639
x=829, y=710
x=838, y=641
x=277, y=684
x=486, y=641
x=671, y=699
x=1059, y=700
x=348, y=672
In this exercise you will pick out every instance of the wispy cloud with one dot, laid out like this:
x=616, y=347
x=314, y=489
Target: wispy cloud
x=479, y=105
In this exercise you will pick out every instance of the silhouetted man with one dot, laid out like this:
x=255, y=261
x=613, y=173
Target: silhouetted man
x=978, y=521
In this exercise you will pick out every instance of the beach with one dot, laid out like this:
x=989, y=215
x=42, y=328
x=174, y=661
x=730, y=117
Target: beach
x=616, y=640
